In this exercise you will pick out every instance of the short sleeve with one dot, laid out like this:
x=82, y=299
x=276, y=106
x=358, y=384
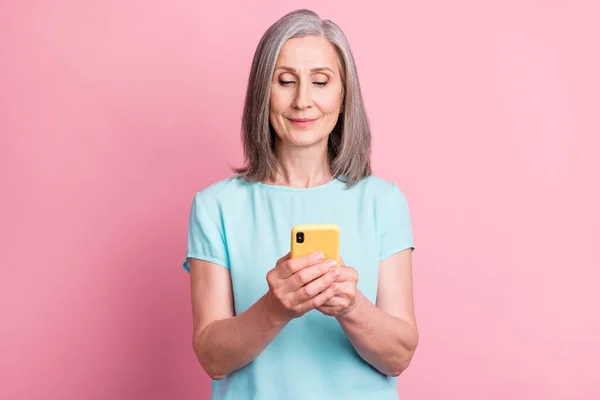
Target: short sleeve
x=205, y=241
x=396, y=232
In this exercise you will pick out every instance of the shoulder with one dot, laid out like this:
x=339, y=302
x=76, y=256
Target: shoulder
x=218, y=189
x=217, y=193
x=375, y=182
x=382, y=196
x=378, y=187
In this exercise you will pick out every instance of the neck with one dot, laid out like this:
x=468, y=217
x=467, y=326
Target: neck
x=302, y=167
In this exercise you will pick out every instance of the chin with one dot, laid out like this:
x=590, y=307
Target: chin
x=307, y=139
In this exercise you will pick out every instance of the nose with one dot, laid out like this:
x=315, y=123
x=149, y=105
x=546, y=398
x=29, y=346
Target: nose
x=303, y=97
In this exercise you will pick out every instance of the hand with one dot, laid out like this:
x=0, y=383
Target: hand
x=298, y=285
x=345, y=300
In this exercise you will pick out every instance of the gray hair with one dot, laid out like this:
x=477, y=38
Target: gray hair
x=349, y=144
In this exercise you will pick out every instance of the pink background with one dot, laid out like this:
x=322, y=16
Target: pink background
x=113, y=114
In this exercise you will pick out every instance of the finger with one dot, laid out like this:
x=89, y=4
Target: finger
x=293, y=265
x=327, y=310
x=284, y=258
x=309, y=274
x=335, y=301
x=344, y=274
x=319, y=299
x=315, y=287
x=342, y=263
x=347, y=274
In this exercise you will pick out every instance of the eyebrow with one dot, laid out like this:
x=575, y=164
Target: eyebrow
x=312, y=70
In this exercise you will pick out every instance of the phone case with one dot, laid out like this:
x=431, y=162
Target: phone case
x=316, y=237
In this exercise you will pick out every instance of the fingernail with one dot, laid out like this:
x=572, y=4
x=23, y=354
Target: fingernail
x=319, y=256
x=330, y=263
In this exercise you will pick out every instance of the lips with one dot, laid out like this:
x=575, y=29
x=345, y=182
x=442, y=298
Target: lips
x=302, y=119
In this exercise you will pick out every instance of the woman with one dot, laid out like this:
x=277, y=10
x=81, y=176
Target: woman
x=270, y=327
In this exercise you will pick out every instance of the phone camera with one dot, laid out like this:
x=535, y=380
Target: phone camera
x=300, y=237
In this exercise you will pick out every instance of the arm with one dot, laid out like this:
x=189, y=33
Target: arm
x=223, y=342
x=386, y=335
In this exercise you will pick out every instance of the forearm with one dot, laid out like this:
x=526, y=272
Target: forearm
x=384, y=341
x=229, y=344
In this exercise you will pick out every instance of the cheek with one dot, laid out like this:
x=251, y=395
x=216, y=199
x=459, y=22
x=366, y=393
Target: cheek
x=278, y=102
x=329, y=103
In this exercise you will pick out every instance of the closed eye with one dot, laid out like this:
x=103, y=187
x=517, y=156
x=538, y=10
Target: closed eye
x=288, y=83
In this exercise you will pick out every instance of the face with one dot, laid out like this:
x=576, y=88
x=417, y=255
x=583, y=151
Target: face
x=306, y=91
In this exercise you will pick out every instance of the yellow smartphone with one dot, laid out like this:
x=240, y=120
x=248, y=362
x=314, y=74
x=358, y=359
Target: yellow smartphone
x=309, y=238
